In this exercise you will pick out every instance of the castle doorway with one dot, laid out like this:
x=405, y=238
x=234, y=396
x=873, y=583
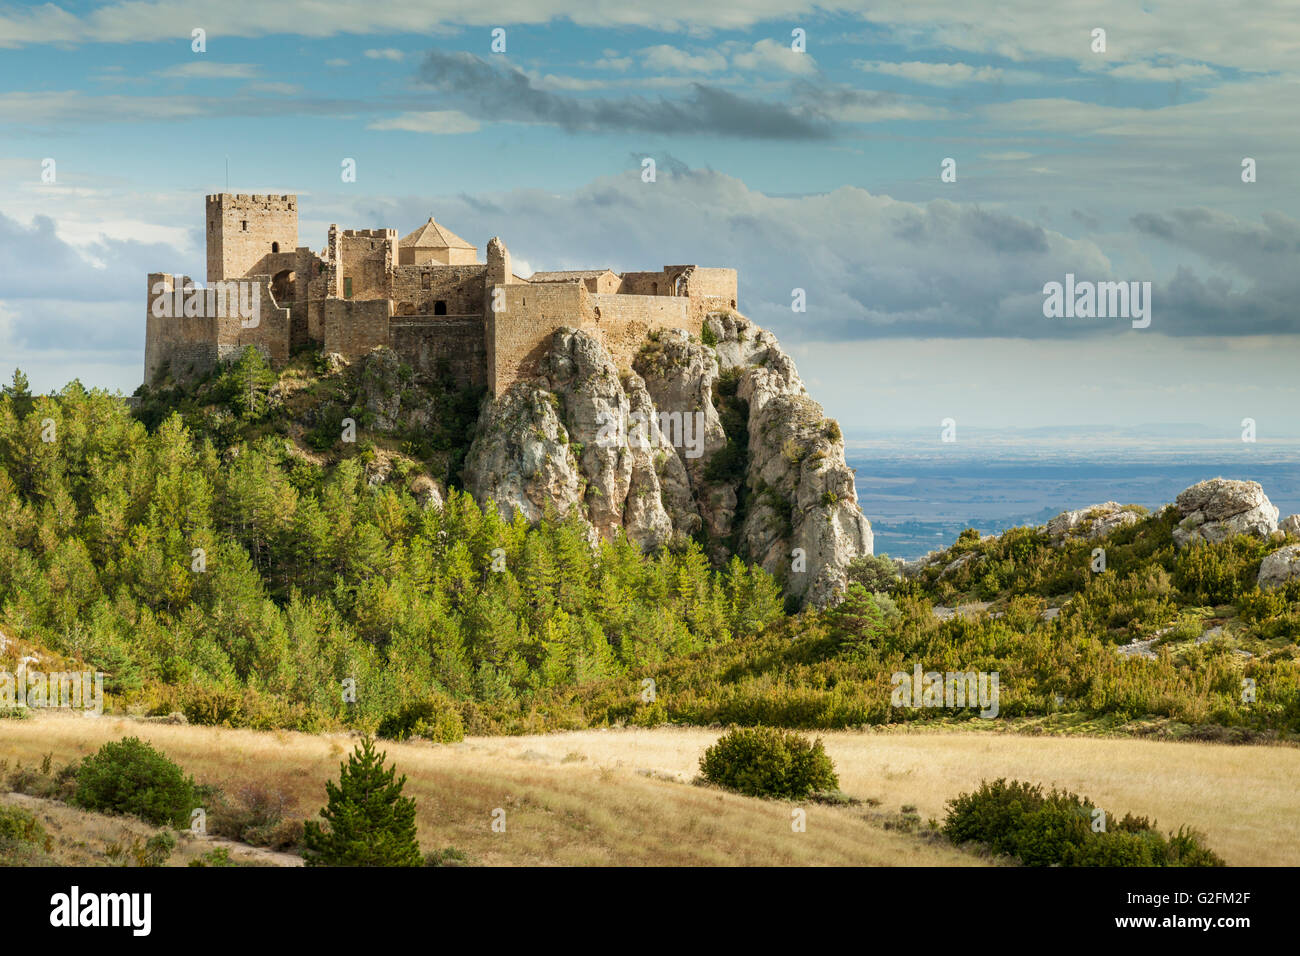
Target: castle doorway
x=440, y=307
x=282, y=286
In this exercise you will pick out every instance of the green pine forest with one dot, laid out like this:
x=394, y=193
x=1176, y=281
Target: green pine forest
x=213, y=556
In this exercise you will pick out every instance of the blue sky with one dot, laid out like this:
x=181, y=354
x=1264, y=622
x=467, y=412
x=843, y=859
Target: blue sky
x=817, y=170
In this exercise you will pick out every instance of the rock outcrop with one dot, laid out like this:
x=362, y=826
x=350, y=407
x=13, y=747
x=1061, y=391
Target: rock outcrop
x=718, y=440
x=1088, y=523
x=520, y=458
x=1217, y=509
x=1290, y=525
x=1280, y=568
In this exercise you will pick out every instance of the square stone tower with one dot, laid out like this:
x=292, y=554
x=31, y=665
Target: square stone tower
x=243, y=230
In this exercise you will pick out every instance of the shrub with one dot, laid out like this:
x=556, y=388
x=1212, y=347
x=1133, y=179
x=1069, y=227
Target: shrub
x=1187, y=849
x=218, y=857
x=155, y=851
x=447, y=856
x=875, y=572
x=21, y=826
x=1120, y=848
x=370, y=822
x=23, y=841
x=435, y=718
x=1055, y=829
x=129, y=776
x=256, y=815
x=993, y=814
x=1052, y=833
x=768, y=762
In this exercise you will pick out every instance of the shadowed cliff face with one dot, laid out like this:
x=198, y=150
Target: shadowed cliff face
x=715, y=439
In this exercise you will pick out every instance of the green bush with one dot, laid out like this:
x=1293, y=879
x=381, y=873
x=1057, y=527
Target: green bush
x=435, y=718
x=21, y=826
x=218, y=857
x=129, y=776
x=370, y=822
x=993, y=814
x=447, y=856
x=23, y=841
x=1056, y=829
x=769, y=762
x=875, y=572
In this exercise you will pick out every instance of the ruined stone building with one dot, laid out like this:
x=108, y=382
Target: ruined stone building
x=427, y=296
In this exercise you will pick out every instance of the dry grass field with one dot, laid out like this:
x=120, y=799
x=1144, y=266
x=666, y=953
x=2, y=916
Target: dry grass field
x=623, y=797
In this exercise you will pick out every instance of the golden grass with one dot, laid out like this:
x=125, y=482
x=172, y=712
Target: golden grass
x=619, y=797
x=81, y=838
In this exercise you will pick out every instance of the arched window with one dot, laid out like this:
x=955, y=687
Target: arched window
x=275, y=247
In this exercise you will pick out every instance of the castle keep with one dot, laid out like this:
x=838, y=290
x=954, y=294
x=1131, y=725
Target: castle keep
x=426, y=296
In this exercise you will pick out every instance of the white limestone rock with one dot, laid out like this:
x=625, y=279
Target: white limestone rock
x=1096, y=521
x=1220, y=508
x=1280, y=568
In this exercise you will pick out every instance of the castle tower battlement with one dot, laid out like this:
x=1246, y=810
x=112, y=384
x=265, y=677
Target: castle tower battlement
x=243, y=229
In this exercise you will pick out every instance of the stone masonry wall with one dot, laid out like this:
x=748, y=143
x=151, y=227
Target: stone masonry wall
x=353, y=328
x=519, y=334
x=453, y=345
x=625, y=321
x=461, y=287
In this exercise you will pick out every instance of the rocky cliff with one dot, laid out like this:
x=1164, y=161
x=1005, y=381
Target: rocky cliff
x=715, y=438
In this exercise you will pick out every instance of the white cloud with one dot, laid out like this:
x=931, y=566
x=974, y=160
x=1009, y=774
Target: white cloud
x=771, y=56
x=673, y=59
x=211, y=70
x=278, y=89
x=437, y=122
x=1167, y=73
x=935, y=74
x=1263, y=35
x=388, y=53
x=612, y=61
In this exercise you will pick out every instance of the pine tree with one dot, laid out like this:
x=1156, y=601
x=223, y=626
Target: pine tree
x=371, y=823
x=20, y=394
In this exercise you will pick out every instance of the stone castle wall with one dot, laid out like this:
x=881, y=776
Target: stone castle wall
x=454, y=346
x=190, y=345
x=519, y=335
x=353, y=328
x=365, y=292
x=418, y=289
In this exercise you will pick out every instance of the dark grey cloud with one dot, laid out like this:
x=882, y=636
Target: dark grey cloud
x=489, y=92
x=1255, y=284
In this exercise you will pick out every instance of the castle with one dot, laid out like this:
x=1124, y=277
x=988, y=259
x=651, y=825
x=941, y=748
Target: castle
x=426, y=296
